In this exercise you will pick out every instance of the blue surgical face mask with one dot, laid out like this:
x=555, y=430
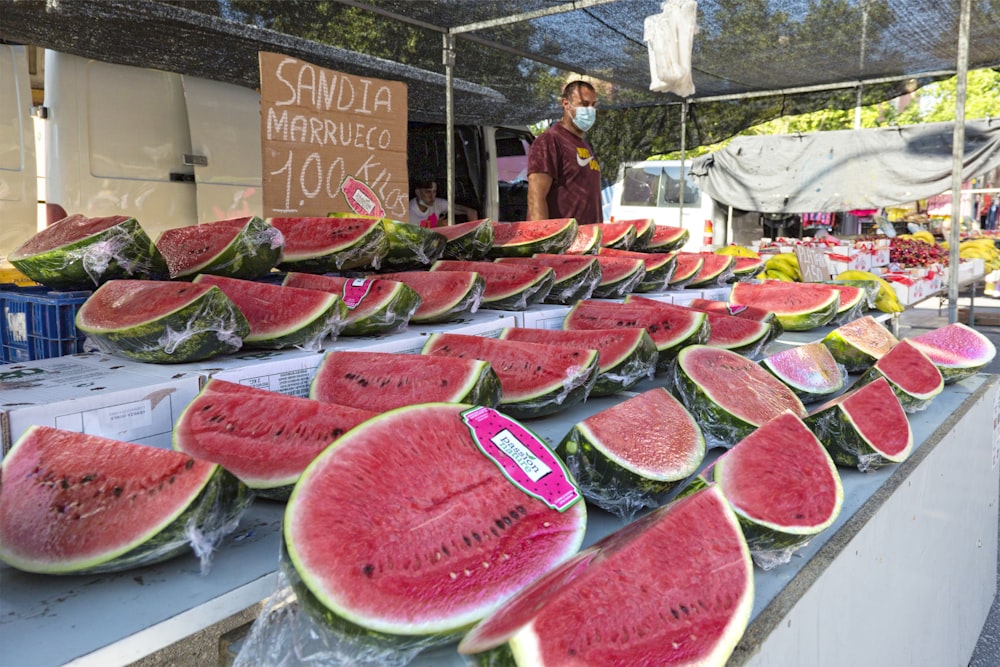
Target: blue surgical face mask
x=584, y=118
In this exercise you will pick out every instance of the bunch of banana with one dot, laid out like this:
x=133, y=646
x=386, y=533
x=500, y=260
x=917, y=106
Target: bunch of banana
x=737, y=251
x=783, y=266
x=981, y=248
x=919, y=235
x=887, y=302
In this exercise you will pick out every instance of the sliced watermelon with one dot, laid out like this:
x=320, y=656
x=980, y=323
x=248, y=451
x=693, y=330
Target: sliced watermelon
x=79, y=253
x=715, y=269
x=575, y=276
x=745, y=268
x=911, y=374
x=536, y=379
x=659, y=267
x=620, y=235
x=161, y=321
x=326, y=245
x=508, y=286
x=374, y=305
x=281, y=316
x=619, y=276
x=644, y=228
x=740, y=335
x=860, y=343
x=853, y=302
x=73, y=503
x=587, y=242
x=671, y=330
x=809, y=370
x=646, y=576
x=666, y=238
x=865, y=428
x=406, y=530
x=958, y=350
x=798, y=306
x=444, y=295
x=626, y=356
x=380, y=381
x=264, y=438
x=410, y=246
x=628, y=457
x=524, y=239
x=783, y=486
x=687, y=266
x=245, y=248
x=728, y=394
x=735, y=309
x=467, y=240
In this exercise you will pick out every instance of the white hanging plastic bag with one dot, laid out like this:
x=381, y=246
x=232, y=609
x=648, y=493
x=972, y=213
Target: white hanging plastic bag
x=669, y=36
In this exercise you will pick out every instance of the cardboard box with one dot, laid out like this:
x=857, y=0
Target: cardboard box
x=720, y=293
x=545, y=316
x=88, y=396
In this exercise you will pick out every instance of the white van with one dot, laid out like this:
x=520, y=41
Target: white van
x=652, y=189
x=18, y=173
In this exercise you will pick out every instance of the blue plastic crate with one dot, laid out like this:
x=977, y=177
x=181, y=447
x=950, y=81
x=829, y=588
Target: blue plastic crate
x=38, y=323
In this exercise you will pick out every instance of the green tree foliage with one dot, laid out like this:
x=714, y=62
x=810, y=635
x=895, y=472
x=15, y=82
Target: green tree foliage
x=936, y=102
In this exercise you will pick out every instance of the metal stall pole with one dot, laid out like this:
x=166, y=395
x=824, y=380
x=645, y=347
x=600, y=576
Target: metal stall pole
x=957, y=158
x=448, y=55
x=680, y=186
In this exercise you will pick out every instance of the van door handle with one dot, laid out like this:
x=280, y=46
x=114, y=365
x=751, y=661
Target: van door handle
x=183, y=178
x=191, y=160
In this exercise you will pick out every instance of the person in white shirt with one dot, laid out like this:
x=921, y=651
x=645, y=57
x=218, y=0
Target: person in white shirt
x=429, y=210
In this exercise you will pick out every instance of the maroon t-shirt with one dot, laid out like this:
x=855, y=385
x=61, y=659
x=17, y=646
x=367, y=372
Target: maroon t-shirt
x=576, y=176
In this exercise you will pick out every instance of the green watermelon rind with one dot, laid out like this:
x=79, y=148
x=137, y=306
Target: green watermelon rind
x=410, y=246
x=623, y=242
x=910, y=402
x=553, y=244
x=852, y=355
x=619, y=288
x=252, y=253
x=846, y=444
x=206, y=327
x=121, y=251
x=474, y=245
x=364, y=252
x=614, y=484
x=667, y=246
x=392, y=314
x=208, y=516
x=810, y=319
x=573, y=288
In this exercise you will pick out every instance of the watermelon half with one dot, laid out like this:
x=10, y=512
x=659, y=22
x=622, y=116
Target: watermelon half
x=715, y=270
x=264, y=438
x=860, y=343
x=620, y=235
x=783, y=486
x=659, y=267
x=282, y=316
x=809, y=370
x=728, y=394
x=619, y=276
x=673, y=588
x=161, y=321
x=575, y=276
x=798, y=306
x=73, y=503
x=911, y=374
x=958, y=350
x=587, y=241
x=626, y=458
x=853, y=302
x=666, y=238
x=625, y=356
x=467, y=240
x=687, y=266
x=79, y=253
x=644, y=228
x=670, y=329
x=524, y=239
x=373, y=305
x=444, y=295
x=536, y=379
x=865, y=428
x=508, y=286
x=380, y=381
x=736, y=310
x=245, y=248
x=327, y=245
x=410, y=246
x=419, y=536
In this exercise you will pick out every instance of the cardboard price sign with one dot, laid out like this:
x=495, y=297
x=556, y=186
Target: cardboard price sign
x=331, y=141
x=812, y=264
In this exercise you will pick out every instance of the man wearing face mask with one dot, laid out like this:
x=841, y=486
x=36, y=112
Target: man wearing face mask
x=564, y=179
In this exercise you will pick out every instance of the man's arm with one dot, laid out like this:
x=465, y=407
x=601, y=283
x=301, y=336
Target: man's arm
x=539, y=185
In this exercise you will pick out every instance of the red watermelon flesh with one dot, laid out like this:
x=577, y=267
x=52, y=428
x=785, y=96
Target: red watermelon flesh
x=526, y=284
x=714, y=269
x=190, y=249
x=452, y=232
x=308, y=237
x=652, y=260
x=781, y=476
x=809, y=370
x=688, y=266
x=914, y=376
x=514, y=233
x=71, y=501
x=850, y=296
x=643, y=231
x=279, y=314
x=422, y=534
x=380, y=381
x=617, y=234
x=725, y=331
x=746, y=266
x=443, y=294
x=69, y=229
x=681, y=579
x=877, y=415
x=364, y=298
x=958, y=350
x=666, y=237
x=619, y=276
x=587, y=241
x=734, y=309
x=264, y=438
x=564, y=266
x=120, y=304
x=798, y=306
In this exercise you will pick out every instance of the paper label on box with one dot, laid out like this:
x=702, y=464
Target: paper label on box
x=118, y=418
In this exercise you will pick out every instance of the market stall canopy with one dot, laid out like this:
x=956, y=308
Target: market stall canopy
x=512, y=55
x=844, y=170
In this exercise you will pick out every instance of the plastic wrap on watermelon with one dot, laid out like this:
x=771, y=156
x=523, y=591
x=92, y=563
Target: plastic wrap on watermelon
x=258, y=246
x=871, y=288
x=532, y=294
x=620, y=289
x=850, y=314
x=625, y=376
x=580, y=288
x=575, y=389
x=607, y=491
x=725, y=277
x=411, y=246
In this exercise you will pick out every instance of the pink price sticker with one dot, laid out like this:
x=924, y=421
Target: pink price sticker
x=522, y=457
x=361, y=198
x=356, y=290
